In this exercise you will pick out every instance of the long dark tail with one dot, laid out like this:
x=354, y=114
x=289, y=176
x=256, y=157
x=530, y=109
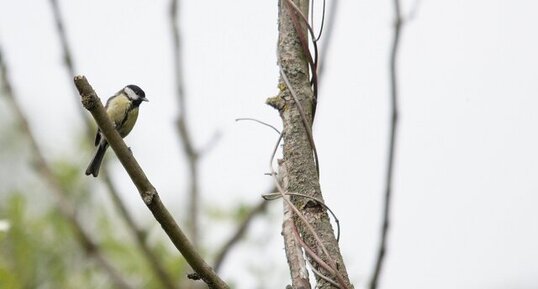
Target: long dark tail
x=95, y=164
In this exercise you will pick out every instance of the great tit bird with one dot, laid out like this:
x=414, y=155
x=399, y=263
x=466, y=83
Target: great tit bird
x=122, y=108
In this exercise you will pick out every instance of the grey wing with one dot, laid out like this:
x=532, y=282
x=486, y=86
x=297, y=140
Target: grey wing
x=109, y=99
x=125, y=116
x=98, y=135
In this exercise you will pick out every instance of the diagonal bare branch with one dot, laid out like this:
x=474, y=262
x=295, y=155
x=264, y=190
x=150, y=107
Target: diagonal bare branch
x=147, y=191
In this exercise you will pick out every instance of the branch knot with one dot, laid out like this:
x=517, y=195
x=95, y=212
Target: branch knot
x=276, y=102
x=148, y=196
x=88, y=96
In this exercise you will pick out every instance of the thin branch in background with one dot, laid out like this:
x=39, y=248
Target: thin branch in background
x=66, y=209
x=254, y=212
x=139, y=235
x=327, y=38
x=322, y=19
x=260, y=122
x=392, y=144
x=191, y=153
x=147, y=191
x=274, y=196
x=239, y=233
x=68, y=59
x=210, y=144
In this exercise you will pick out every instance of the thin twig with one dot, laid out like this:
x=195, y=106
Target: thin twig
x=316, y=258
x=239, y=233
x=210, y=144
x=139, y=235
x=191, y=153
x=147, y=191
x=274, y=196
x=327, y=38
x=392, y=145
x=322, y=19
x=260, y=122
x=320, y=275
x=66, y=208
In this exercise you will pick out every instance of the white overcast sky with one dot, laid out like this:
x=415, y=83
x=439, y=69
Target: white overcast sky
x=465, y=189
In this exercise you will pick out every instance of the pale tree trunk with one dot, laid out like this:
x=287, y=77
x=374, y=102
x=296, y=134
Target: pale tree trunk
x=299, y=163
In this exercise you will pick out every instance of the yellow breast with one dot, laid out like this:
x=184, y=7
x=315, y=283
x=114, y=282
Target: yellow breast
x=118, y=109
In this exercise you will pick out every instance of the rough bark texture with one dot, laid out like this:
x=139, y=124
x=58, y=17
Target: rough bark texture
x=298, y=155
x=294, y=253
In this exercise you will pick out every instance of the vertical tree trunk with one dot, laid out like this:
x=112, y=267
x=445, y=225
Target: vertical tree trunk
x=299, y=162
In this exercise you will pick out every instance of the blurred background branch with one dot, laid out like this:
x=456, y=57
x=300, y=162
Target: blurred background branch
x=240, y=232
x=190, y=152
x=393, y=58
x=327, y=38
x=68, y=61
x=65, y=207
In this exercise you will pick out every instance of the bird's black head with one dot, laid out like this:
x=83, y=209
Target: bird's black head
x=135, y=93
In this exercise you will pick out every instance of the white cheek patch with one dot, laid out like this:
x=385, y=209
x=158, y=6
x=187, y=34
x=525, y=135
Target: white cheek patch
x=131, y=94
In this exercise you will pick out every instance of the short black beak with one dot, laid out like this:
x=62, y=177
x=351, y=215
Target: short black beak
x=145, y=99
